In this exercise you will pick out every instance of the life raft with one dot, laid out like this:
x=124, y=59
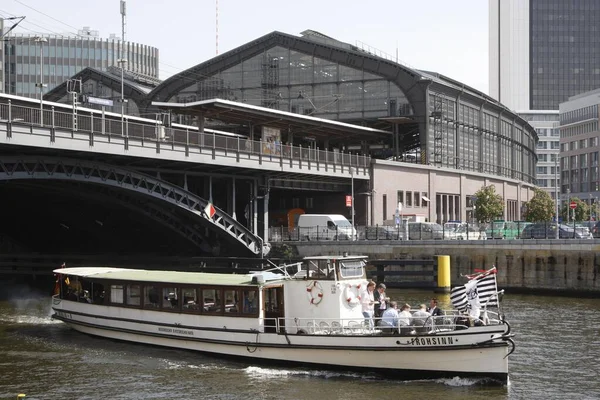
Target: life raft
x=314, y=291
x=352, y=294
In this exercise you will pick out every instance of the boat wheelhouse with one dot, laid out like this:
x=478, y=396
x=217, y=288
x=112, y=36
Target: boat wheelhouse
x=307, y=313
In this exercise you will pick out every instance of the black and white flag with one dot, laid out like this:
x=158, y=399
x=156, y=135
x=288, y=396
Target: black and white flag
x=480, y=291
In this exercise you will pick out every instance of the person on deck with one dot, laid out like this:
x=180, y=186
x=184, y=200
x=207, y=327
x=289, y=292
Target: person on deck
x=421, y=318
x=367, y=301
x=381, y=298
x=433, y=309
x=389, y=318
x=405, y=320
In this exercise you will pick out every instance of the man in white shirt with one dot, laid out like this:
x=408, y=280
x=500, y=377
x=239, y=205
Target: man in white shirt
x=389, y=318
x=404, y=320
x=420, y=318
x=367, y=302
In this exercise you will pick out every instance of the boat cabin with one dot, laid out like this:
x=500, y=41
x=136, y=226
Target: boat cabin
x=316, y=291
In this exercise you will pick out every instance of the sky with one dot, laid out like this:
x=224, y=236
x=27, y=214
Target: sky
x=445, y=36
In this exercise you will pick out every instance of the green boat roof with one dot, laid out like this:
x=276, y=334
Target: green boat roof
x=142, y=275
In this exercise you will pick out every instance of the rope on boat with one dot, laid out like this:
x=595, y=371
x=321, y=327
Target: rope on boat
x=255, y=343
x=512, y=350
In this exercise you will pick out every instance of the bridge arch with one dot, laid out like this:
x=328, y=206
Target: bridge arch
x=69, y=169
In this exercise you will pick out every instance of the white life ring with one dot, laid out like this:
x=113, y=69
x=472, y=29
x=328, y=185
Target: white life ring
x=314, y=291
x=352, y=298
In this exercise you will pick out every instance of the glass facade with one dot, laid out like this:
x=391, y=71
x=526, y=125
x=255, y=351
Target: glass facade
x=288, y=80
x=579, y=138
x=466, y=136
x=461, y=134
x=63, y=57
x=564, y=50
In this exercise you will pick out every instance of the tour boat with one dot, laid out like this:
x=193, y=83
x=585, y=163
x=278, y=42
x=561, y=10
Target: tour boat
x=307, y=314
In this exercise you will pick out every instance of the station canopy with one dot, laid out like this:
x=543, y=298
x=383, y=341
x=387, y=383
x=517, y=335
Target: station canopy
x=300, y=125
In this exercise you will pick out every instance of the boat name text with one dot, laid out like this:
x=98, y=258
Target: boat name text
x=63, y=314
x=432, y=341
x=176, y=330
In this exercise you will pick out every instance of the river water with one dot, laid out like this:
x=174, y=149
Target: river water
x=557, y=357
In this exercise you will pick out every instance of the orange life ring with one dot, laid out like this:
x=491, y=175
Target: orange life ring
x=314, y=291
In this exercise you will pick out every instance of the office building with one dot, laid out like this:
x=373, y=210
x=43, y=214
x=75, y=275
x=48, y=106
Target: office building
x=64, y=56
x=541, y=52
x=579, y=142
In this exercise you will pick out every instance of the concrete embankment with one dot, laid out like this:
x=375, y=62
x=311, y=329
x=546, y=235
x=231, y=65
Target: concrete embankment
x=568, y=266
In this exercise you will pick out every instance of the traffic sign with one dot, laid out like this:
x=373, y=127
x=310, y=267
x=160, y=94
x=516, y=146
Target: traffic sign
x=348, y=201
x=573, y=205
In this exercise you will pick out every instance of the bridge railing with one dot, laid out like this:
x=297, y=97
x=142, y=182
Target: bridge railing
x=148, y=130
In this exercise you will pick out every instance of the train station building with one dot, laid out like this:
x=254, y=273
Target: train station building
x=434, y=141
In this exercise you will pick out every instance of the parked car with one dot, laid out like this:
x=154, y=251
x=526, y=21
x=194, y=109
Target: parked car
x=505, y=229
x=384, y=233
x=594, y=227
x=584, y=231
x=324, y=227
x=425, y=231
x=548, y=231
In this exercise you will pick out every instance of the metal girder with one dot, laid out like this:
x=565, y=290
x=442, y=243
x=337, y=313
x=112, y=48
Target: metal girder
x=32, y=167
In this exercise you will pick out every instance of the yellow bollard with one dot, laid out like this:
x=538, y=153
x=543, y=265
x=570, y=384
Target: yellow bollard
x=443, y=274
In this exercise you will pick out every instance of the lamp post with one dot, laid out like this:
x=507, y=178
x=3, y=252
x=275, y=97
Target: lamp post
x=41, y=41
x=122, y=61
x=568, y=204
x=556, y=196
x=352, y=208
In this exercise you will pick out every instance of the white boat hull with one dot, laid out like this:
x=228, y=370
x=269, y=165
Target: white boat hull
x=469, y=352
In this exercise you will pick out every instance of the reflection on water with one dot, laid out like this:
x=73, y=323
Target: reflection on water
x=558, y=347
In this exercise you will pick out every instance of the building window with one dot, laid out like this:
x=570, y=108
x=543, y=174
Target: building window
x=384, y=207
x=400, y=197
x=309, y=202
x=424, y=203
x=408, y=199
x=417, y=201
x=295, y=202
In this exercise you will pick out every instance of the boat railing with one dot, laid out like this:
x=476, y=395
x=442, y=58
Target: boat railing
x=283, y=268
x=361, y=327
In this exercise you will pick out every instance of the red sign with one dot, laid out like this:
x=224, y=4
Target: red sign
x=348, y=201
x=573, y=205
x=210, y=211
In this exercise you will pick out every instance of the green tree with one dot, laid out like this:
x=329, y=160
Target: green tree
x=581, y=212
x=489, y=205
x=540, y=207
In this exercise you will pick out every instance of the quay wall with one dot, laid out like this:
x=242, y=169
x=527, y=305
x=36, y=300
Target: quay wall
x=539, y=265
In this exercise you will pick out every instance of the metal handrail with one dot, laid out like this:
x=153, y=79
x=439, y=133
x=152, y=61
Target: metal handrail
x=100, y=123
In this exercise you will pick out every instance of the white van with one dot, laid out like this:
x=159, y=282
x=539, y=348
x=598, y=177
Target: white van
x=325, y=227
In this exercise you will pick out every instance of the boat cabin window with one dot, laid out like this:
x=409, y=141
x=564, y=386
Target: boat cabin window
x=116, y=294
x=250, y=301
x=351, y=269
x=211, y=300
x=231, y=301
x=320, y=269
x=151, y=297
x=170, y=298
x=190, y=299
x=133, y=295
